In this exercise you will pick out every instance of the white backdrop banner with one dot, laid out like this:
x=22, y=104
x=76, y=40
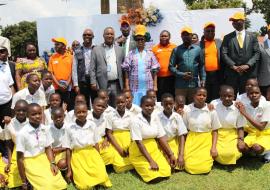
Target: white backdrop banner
x=72, y=27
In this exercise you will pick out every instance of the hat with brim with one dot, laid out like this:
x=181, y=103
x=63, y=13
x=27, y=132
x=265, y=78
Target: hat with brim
x=208, y=24
x=238, y=16
x=3, y=48
x=140, y=30
x=60, y=40
x=186, y=29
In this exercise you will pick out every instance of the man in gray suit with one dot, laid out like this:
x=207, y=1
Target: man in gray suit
x=105, y=66
x=264, y=67
x=240, y=53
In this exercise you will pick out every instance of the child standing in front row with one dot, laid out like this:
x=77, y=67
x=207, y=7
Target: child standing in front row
x=34, y=154
x=174, y=127
x=200, y=147
x=83, y=159
x=231, y=133
x=11, y=132
x=118, y=133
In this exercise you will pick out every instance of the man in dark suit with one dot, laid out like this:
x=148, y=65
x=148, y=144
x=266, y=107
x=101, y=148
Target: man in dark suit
x=264, y=67
x=105, y=66
x=240, y=53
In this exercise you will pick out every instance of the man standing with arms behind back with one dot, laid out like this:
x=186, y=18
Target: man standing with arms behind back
x=240, y=52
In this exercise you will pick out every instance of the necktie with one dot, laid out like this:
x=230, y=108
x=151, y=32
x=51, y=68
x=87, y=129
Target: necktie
x=240, y=39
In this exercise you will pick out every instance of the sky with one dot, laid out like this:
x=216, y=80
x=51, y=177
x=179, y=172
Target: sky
x=17, y=10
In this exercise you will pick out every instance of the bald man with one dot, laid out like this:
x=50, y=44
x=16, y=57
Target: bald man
x=81, y=66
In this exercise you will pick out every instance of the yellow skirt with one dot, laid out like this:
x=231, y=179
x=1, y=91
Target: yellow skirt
x=60, y=156
x=107, y=154
x=38, y=173
x=2, y=170
x=198, y=159
x=121, y=164
x=256, y=136
x=174, y=145
x=142, y=166
x=88, y=168
x=14, y=178
x=228, y=152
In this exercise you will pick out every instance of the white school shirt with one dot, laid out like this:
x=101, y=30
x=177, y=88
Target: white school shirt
x=201, y=120
x=261, y=113
x=57, y=135
x=38, y=97
x=48, y=116
x=50, y=90
x=100, y=123
x=230, y=117
x=108, y=110
x=158, y=108
x=70, y=116
x=13, y=128
x=33, y=142
x=6, y=81
x=141, y=129
x=216, y=102
x=245, y=99
x=173, y=126
x=135, y=110
x=116, y=122
x=80, y=137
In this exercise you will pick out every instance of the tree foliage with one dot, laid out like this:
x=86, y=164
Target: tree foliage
x=20, y=34
x=213, y=4
x=261, y=6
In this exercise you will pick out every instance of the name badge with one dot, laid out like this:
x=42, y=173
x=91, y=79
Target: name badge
x=55, y=62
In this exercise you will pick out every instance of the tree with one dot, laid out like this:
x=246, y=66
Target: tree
x=213, y=4
x=20, y=34
x=261, y=6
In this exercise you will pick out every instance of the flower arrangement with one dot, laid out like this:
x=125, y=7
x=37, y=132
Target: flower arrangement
x=150, y=16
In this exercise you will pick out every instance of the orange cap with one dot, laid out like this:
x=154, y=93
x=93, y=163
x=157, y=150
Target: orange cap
x=125, y=22
x=140, y=30
x=61, y=40
x=209, y=24
x=186, y=29
x=238, y=16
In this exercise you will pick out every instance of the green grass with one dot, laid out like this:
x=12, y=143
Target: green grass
x=250, y=173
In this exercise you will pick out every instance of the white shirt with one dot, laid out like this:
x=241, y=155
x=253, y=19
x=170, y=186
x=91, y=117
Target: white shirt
x=173, y=126
x=108, y=110
x=111, y=62
x=6, y=81
x=230, y=117
x=48, y=116
x=116, y=122
x=101, y=123
x=33, y=142
x=50, y=90
x=141, y=129
x=201, y=120
x=216, y=102
x=268, y=42
x=245, y=99
x=70, y=116
x=13, y=128
x=158, y=108
x=38, y=97
x=135, y=109
x=57, y=135
x=261, y=113
x=80, y=137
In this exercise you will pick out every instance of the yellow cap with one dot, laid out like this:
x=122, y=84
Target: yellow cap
x=61, y=40
x=209, y=24
x=140, y=30
x=186, y=29
x=238, y=16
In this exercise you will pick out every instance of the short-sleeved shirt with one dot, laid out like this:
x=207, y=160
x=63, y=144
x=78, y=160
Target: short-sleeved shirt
x=245, y=99
x=24, y=94
x=61, y=66
x=116, y=122
x=33, y=141
x=141, y=129
x=101, y=123
x=173, y=126
x=13, y=128
x=57, y=135
x=216, y=102
x=163, y=54
x=201, y=120
x=135, y=109
x=158, y=108
x=230, y=117
x=108, y=110
x=261, y=113
x=80, y=137
x=5, y=84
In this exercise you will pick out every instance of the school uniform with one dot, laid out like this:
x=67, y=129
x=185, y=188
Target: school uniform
x=200, y=123
x=158, y=108
x=121, y=132
x=245, y=99
x=261, y=114
x=86, y=163
x=2, y=163
x=50, y=90
x=216, y=102
x=135, y=109
x=147, y=133
x=24, y=94
x=108, y=110
x=32, y=143
x=230, y=119
x=48, y=116
x=11, y=132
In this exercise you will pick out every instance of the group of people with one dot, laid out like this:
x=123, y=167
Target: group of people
x=133, y=106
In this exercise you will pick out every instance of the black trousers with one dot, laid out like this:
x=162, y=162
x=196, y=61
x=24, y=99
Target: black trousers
x=212, y=85
x=87, y=92
x=165, y=85
x=237, y=81
x=264, y=90
x=67, y=98
x=113, y=90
